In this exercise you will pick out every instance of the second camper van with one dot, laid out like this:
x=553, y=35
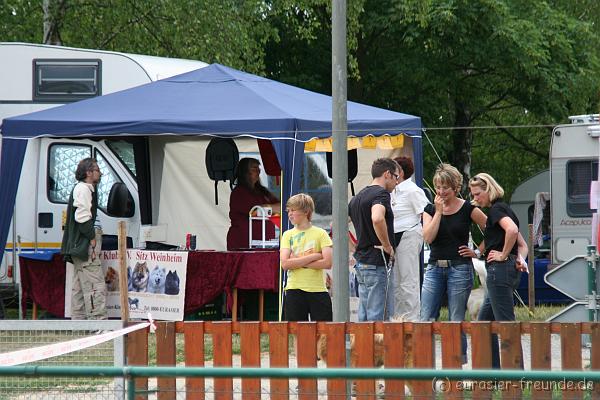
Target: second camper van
x=567, y=223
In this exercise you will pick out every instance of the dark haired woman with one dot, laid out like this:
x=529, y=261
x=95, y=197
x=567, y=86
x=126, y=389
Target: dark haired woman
x=247, y=194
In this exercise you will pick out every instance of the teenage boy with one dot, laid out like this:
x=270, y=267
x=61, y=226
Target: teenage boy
x=305, y=253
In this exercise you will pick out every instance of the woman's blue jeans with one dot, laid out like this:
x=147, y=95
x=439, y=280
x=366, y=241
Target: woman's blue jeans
x=502, y=279
x=455, y=280
x=372, y=281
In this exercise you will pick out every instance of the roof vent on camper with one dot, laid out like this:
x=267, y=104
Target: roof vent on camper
x=222, y=157
x=584, y=119
x=352, y=166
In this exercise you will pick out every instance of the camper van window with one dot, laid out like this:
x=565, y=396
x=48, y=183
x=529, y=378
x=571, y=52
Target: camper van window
x=109, y=177
x=580, y=174
x=314, y=181
x=124, y=151
x=66, y=80
x=62, y=163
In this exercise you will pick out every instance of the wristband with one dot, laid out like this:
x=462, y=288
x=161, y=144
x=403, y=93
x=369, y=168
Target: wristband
x=477, y=253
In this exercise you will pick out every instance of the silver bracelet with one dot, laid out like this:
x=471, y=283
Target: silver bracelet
x=477, y=253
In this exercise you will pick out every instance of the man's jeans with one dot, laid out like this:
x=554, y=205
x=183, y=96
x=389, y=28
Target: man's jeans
x=502, y=279
x=457, y=282
x=372, y=280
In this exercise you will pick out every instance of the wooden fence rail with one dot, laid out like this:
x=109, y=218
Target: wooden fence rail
x=398, y=345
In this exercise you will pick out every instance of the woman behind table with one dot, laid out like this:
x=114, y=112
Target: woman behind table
x=446, y=227
x=504, y=249
x=247, y=194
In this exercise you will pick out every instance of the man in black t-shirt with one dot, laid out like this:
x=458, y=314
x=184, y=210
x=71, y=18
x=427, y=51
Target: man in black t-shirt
x=373, y=219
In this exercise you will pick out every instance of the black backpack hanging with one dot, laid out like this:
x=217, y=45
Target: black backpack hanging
x=222, y=157
x=352, y=166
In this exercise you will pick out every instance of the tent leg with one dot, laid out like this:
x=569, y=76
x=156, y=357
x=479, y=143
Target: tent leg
x=235, y=305
x=261, y=305
x=216, y=193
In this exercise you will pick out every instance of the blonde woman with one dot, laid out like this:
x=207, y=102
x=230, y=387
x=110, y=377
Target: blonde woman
x=446, y=227
x=504, y=252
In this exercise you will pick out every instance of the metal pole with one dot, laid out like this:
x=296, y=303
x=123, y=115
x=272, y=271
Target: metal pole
x=130, y=387
x=592, y=260
x=122, y=252
x=531, y=268
x=341, y=307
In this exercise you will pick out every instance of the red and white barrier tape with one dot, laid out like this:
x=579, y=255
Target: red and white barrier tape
x=58, y=349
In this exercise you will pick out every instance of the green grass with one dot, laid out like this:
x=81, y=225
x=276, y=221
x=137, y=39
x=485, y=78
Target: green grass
x=523, y=314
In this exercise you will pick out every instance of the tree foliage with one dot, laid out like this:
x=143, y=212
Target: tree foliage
x=230, y=32
x=469, y=63
x=301, y=53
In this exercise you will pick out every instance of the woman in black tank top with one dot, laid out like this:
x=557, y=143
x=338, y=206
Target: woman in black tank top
x=505, y=250
x=446, y=227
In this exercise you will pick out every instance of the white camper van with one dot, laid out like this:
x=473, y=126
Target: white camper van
x=574, y=155
x=573, y=166
x=34, y=77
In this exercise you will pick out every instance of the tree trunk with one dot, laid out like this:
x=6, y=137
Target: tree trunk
x=462, y=141
x=54, y=12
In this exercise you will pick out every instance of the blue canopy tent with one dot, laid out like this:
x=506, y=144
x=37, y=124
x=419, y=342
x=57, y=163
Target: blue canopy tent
x=214, y=101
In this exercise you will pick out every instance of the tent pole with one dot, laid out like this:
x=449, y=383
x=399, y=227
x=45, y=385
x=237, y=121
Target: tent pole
x=281, y=271
x=341, y=307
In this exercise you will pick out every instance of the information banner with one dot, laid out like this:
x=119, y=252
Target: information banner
x=156, y=284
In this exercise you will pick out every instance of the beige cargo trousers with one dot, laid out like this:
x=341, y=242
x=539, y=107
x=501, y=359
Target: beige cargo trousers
x=88, y=296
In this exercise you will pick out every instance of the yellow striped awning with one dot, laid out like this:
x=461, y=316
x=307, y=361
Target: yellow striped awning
x=385, y=142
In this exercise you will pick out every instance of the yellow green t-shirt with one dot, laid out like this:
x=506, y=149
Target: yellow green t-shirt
x=301, y=243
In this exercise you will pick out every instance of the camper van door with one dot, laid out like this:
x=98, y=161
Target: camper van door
x=56, y=178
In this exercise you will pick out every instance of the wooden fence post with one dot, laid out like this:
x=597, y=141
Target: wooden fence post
x=423, y=351
x=279, y=357
x=570, y=354
x=222, y=357
x=511, y=355
x=194, y=357
x=395, y=356
x=362, y=352
x=452, y=353
x=166, y=356
x=306, y=354
x=250, y=348
x=336, y=356
x=541, y=356
x=481, y=349
x=137, y=354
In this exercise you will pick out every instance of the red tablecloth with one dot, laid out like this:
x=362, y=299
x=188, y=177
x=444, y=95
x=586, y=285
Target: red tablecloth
x=44, y=283
x=209, y=273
